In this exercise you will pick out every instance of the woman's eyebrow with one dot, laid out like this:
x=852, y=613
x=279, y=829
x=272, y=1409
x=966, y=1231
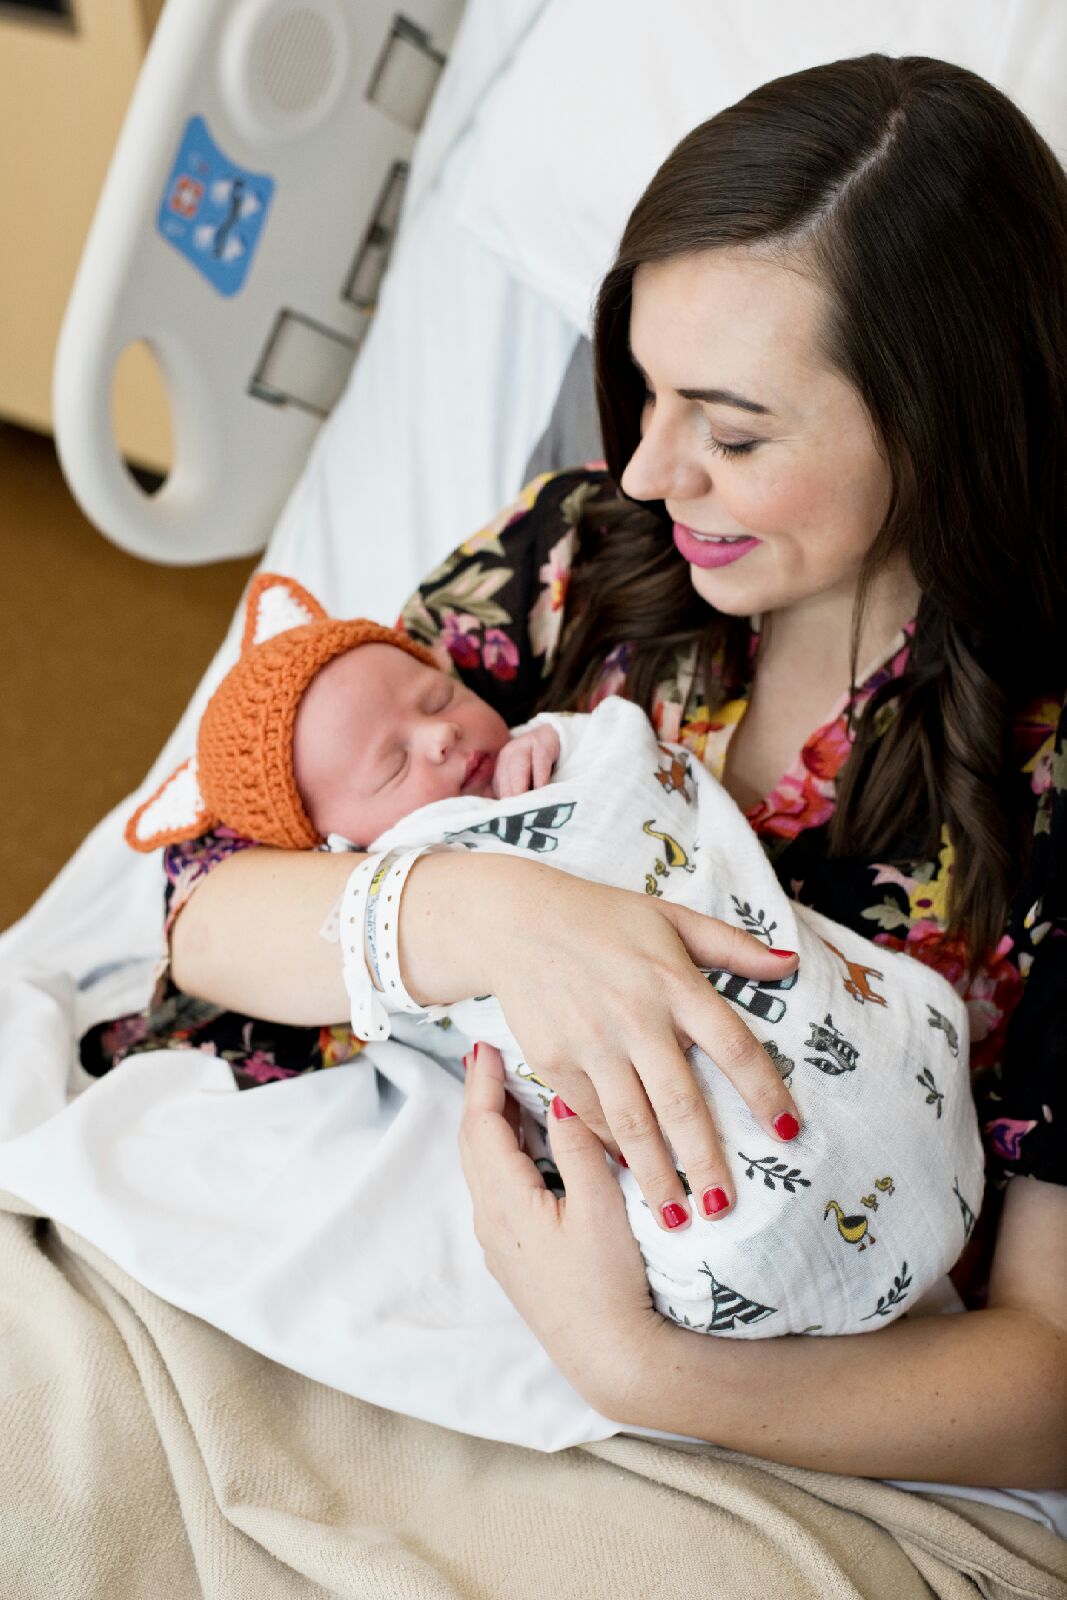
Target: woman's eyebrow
x=724, y=397
x=714, y=397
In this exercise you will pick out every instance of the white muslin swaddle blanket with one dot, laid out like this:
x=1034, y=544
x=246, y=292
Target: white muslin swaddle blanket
x=843, y=1228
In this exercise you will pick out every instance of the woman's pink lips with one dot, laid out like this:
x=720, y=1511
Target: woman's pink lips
x=700, y=554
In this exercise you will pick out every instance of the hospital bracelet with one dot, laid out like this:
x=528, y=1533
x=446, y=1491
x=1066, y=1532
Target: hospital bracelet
x=369, y=929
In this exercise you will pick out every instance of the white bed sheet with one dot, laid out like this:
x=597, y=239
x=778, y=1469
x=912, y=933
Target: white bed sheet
x=550, y=191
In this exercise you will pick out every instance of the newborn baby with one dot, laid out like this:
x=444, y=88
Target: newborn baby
x=346, y=729
x=378, y=734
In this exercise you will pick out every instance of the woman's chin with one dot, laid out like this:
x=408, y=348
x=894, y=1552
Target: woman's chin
x=729, y=601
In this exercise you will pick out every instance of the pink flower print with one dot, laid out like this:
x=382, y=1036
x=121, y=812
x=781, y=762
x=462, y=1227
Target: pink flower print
x=460, y=635
x=797, y=803
x=546, y=615
x=826, y=752
x=500, y=655
x=1008, y=1134
x=124, y=1033
x=1040, y=768
x=262, y=1066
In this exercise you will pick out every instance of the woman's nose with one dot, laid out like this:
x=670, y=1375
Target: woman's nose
x=664, y=466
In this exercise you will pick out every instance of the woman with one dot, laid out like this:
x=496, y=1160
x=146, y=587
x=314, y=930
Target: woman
x=830, y=364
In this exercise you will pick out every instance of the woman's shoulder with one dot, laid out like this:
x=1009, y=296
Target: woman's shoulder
x=492, y=611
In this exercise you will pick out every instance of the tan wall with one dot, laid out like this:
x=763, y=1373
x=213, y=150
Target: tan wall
x=63, y=94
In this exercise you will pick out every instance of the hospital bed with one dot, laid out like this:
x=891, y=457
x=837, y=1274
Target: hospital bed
x=363, y=245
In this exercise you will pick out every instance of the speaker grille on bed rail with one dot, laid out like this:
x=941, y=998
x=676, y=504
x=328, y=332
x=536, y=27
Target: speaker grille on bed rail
x=296, y=61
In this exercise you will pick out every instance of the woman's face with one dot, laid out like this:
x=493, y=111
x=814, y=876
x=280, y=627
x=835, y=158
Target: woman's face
x=748, y=434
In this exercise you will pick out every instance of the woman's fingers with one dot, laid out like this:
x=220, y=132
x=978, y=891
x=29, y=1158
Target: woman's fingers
x=738, y=1054
x=711, y=943
x=678, y=1113
x=488, y=1141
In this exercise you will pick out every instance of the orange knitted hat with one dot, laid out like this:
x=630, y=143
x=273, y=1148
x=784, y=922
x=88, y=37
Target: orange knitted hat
x=242, y=773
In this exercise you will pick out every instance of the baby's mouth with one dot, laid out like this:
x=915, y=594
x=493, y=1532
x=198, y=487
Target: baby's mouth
x=478, y=767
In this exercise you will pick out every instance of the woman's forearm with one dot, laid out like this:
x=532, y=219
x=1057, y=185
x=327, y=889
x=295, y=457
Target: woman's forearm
x=974, y=1398
x=248, y=939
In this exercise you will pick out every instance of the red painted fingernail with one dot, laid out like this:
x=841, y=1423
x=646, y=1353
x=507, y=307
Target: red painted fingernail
x=560, y=1109
x=466, y=1063
x=785, y=954
x=623, y=1161
x=474, y=1053
x=674, y=1215
x=785, y=1126
x=714, y=1200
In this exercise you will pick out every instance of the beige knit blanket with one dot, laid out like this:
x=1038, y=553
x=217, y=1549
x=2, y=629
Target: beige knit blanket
x=145, y=1454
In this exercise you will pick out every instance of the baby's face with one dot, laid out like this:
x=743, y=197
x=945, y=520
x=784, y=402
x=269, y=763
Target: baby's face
x=379, y=734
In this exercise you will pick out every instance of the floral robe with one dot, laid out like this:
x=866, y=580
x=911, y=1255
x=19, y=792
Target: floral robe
x=493, y=614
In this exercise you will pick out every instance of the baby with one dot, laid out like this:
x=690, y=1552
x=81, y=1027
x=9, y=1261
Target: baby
x=351, y=732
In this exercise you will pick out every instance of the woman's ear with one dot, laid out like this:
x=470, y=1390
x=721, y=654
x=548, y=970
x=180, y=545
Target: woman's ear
x=176, y=811
x=275, y=604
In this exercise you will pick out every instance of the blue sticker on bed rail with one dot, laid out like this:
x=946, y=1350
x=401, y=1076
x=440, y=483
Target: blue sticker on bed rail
x=212, y=210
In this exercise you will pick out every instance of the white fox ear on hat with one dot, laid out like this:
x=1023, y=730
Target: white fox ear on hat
x=274, y=605
x=176, y=811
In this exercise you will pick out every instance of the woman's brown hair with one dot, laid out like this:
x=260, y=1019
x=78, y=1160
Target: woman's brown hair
x=935, y=218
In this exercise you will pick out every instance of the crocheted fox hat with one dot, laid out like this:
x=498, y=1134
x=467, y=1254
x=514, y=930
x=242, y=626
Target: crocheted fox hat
x=242, y=773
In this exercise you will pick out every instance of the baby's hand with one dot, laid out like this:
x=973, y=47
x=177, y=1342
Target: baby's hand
x=527, y=762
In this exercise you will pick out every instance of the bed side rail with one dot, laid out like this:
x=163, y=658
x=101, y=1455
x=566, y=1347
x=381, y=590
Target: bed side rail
x=242, y=233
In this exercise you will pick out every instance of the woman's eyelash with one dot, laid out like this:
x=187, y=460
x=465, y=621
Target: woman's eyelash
x=717, y=447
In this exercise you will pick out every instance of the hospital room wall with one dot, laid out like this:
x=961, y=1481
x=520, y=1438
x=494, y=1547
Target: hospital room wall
x=99, y=653
x=64, y=88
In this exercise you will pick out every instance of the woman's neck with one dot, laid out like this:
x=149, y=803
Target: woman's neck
x=812, y=639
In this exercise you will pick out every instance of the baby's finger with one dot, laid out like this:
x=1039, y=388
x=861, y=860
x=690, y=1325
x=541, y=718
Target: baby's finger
x=542, y=766
x=512, y=774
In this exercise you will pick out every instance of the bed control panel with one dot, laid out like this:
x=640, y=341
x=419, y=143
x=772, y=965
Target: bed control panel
x=243, y=233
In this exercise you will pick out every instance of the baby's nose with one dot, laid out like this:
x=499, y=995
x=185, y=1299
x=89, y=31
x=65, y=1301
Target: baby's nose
x=441, y=740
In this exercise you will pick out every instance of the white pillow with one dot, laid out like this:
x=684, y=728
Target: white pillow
x=602, y=90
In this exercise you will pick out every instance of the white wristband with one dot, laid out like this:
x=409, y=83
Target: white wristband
x=369, y=1017
x=369, y=923
x=383, y=927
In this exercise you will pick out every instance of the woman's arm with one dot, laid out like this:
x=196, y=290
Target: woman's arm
x=248, y=939
x=977, y=1398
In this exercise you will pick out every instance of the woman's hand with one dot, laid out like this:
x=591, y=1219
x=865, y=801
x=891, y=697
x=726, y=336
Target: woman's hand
x=600, y=989
x=571, y=1267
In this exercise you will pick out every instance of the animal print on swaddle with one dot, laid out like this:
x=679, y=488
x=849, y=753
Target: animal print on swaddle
x=844, y=1227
